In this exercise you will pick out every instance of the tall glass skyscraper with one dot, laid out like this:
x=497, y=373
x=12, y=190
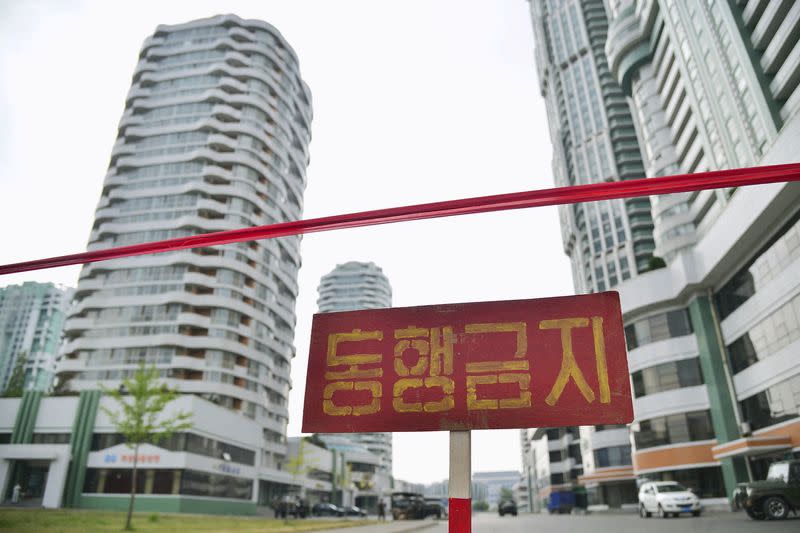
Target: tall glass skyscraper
x=31, y=318
x=214, y=137
x=349, y=287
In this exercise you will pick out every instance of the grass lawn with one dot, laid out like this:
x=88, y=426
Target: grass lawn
x=75, y=521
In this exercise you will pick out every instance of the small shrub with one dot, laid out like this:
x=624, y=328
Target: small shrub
x=153, y=517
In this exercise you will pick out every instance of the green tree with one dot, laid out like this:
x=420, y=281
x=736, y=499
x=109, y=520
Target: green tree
x=16, y=383
x=480, y=505
x=139, y=419
x=506, y=493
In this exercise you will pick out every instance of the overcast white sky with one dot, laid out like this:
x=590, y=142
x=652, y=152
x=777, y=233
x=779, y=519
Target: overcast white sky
x=414, y=101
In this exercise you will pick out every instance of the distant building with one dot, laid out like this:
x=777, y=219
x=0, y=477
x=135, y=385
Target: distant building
x=31, y=320
x=495, y=483
x=552, y=462
x=354, y=286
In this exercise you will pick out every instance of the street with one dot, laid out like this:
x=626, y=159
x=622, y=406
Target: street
x=610, y=523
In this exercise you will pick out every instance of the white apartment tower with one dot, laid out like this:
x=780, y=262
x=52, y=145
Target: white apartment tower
x=349, y=287
x=214, y=137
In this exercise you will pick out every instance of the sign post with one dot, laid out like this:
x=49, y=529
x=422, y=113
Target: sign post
x=549, y=362
x=460, y=485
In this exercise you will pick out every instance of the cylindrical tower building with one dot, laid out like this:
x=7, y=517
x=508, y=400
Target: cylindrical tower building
x=349, y=287
x=214, y=137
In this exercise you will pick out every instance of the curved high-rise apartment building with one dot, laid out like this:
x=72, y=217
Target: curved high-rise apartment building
x=349, y=287
x=715, y=85
x=352, y=286
x=712, y=86
x=214, y=137
x=594, y=140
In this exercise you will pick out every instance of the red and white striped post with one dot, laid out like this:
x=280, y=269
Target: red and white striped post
x=460, y=486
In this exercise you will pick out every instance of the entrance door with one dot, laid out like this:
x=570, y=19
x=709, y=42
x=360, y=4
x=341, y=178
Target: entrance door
x=32, y=479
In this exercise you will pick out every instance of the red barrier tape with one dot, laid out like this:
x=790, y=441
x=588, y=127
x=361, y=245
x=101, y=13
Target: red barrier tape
x=482, y=204
x=459, y=519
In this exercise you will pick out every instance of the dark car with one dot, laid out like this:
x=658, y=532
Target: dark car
x=325, y=509
x=290, y=505
x=352, y=510
x=774, y=497
x=507, y=507
x=434, y=507
x=408, y=506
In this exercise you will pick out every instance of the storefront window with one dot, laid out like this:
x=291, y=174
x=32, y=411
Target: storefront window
x=196, y=483
x=185, y=442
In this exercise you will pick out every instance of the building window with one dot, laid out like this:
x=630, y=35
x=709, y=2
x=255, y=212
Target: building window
x=770, y=261
x=195, y=483
x=610, y=426
x=184, y=442
x=658, y=327
x=779, y=329
x=774, y=405
x=118, y=481
x=612, y=456
x=51, y=438
x=667, y=376
x=673, y=429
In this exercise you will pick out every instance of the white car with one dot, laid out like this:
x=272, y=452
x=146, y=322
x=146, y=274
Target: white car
x=667, y=498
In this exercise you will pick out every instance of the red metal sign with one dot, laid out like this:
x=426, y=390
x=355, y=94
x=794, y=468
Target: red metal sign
x=547, y=362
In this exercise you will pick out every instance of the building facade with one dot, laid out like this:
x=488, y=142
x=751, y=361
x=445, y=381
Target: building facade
x=353, y=286
x=594, y=140
x=214, y=137
x=714, y=85
x=498, y=484
x=31, y=319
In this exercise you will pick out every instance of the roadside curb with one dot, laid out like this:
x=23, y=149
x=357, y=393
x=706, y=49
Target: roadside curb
x=408, y=529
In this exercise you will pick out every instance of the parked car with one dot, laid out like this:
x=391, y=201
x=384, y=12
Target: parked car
x=290, y=505
x=325, y=509
x=773, y=497
x=507, y=507
x=667, y=498
x=352, y=510
x=435, y=507
x=561, y=502
x=408, y=506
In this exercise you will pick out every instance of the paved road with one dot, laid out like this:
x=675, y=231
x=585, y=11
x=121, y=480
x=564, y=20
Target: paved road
x=622, y=523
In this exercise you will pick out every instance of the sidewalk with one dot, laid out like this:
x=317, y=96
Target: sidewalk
x=400, y=526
